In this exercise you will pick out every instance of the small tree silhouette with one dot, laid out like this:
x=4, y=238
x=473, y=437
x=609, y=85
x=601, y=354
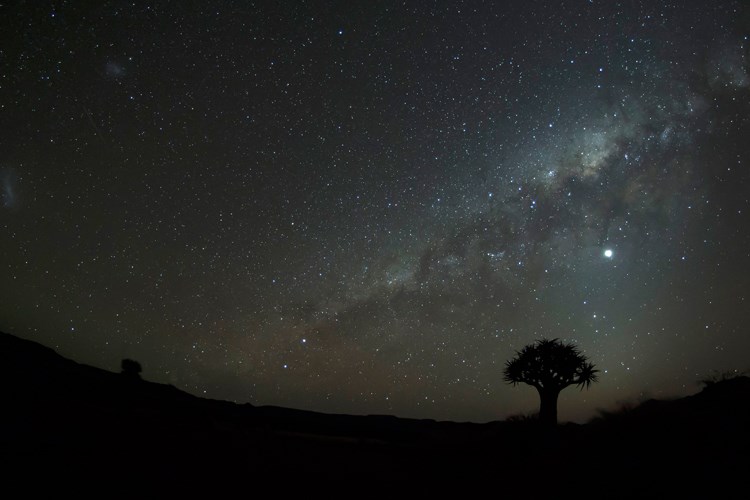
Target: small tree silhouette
x=550, y=366
x=131, y=369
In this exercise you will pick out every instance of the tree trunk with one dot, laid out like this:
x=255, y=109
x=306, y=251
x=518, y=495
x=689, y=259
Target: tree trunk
x=548, y=407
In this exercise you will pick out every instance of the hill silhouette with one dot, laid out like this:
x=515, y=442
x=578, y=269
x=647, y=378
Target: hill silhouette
x=72, y=427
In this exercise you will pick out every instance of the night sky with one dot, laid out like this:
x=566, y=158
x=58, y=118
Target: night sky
x=368, y=207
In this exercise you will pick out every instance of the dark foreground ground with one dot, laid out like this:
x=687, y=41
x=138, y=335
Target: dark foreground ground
x=67, y=428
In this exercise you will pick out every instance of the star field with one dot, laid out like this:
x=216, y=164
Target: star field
x=369, y=208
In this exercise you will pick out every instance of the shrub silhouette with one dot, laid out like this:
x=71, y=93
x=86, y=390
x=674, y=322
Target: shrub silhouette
x=716, y=376
x=131, y=369
x=550, y=366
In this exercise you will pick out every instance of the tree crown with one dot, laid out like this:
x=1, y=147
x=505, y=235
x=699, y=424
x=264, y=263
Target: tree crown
x=550, y=365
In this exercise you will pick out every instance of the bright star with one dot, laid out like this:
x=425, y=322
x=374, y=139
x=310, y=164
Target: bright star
x=608, y=253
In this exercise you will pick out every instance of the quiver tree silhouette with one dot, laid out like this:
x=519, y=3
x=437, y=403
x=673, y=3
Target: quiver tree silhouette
x=550, y=366
x=131, y=369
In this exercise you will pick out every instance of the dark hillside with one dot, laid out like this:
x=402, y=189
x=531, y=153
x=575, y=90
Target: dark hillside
x=68, y=426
